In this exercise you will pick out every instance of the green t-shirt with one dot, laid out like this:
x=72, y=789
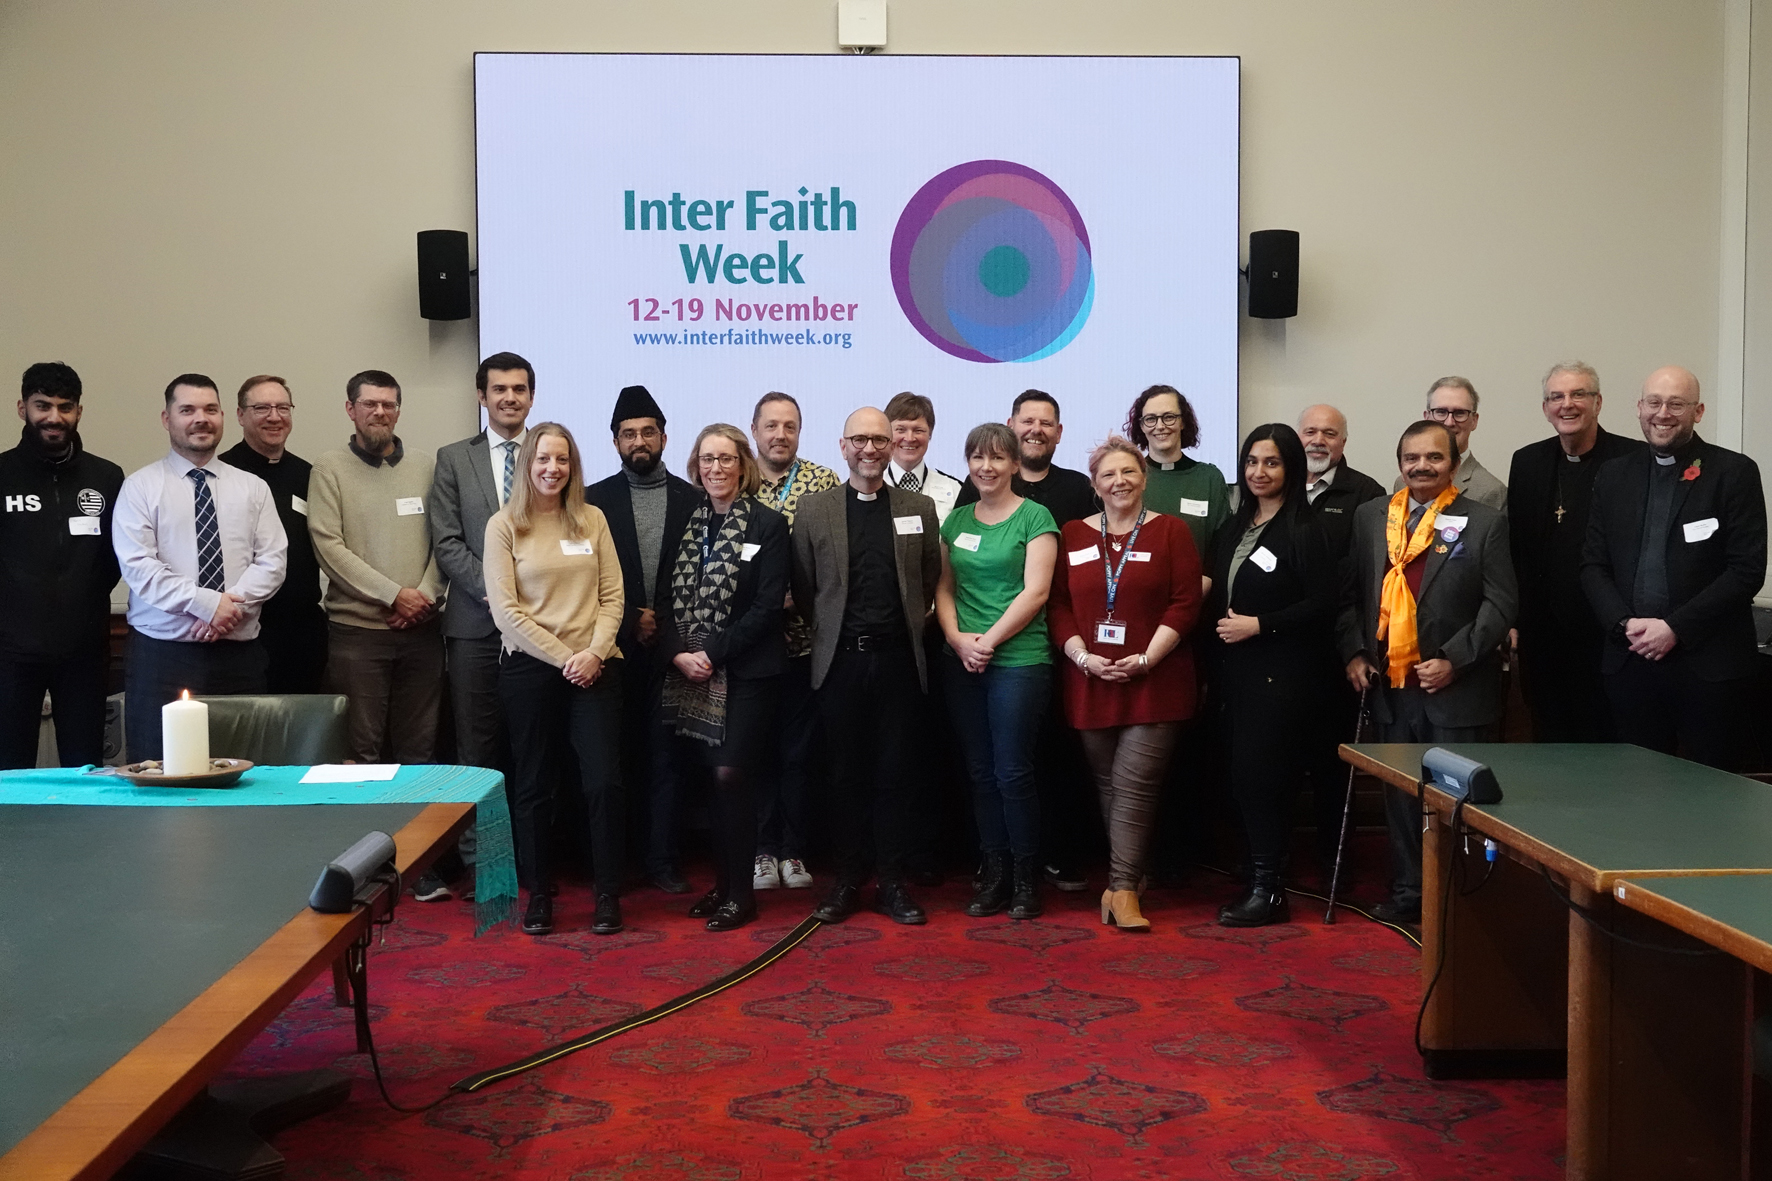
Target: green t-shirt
x=988, y=562
x=1193, y=491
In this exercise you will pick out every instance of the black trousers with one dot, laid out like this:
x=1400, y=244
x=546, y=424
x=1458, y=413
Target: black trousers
x=547, y=714
x=1402, y=810
x=1334, y=719
x=650, y=765
x=1071, y=833
x=784, y=790
x=1661, y=705
x=871, y=701
x=159, y=670
x=295, y=651
x=76, y=686
x=1564, y=690
x=1268, y=725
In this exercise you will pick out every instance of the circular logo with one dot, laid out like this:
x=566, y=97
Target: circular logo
x=91, y=501
x=990, y=262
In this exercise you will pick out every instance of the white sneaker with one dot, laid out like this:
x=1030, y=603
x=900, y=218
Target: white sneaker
x=766, y=875
x=794, y=875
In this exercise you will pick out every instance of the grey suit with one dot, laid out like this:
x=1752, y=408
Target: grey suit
x=821, y=569
x=1466, y=602
x=1475, y=481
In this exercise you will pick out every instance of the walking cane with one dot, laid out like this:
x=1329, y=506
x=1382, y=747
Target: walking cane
x=1347, y=809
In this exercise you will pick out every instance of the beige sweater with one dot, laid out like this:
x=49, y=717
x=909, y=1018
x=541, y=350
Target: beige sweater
x=369, y=541
x=547, y=601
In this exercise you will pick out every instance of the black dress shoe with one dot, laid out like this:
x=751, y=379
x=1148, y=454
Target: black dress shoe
x=1397, y=912
x=608, y=919
x=893, y=901
x=839, y=904
x=671, y=882
x=1263, y=905
x=539, y=918
x=731, y=916
x=706, y=905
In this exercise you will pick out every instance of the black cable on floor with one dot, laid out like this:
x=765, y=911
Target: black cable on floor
x=1399, y=928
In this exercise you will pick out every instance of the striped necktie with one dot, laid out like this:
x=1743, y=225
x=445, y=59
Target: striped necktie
x=209, y=552
x=510, y=446
x=910, y=483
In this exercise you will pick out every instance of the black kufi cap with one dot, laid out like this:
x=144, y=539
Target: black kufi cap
x=635, y=402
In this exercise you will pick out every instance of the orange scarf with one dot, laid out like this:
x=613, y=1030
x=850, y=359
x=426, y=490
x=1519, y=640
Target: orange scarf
x=1396, y=606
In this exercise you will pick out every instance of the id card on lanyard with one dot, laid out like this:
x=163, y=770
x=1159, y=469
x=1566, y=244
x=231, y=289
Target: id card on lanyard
x=1111, y=631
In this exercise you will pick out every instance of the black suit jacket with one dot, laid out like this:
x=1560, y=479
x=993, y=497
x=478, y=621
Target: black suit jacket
x=753, y=644
x=1711, y=582
x=616, y=500
x=1295, y=602
x=1335, y=505
x=1531, y=513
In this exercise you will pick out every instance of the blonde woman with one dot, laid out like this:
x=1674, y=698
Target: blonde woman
x=555, y=590
x=723, y=633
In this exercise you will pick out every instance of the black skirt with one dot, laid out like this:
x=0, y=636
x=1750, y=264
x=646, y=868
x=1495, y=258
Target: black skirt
x=750, y=725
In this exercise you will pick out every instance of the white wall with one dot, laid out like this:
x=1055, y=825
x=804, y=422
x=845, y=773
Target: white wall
x=233, y=186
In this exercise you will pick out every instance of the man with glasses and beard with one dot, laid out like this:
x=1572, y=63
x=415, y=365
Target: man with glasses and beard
x=57, y=577
x=648, y=509
x=1452, y=402
x=201, y=547
x=292, y=626
x=1675, y=553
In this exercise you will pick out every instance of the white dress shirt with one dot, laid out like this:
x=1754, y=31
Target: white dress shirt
x=938, y=486
x=154, y=530
x=496, y=443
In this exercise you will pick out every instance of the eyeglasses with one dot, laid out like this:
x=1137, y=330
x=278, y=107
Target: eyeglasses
x=1671, y=405
x=1155, y=420
x=371, y=407
x=863, y=442
x=271, y=410
x=644, y=434
x=719, y=461
x=1573, y=397
x=1441, y=414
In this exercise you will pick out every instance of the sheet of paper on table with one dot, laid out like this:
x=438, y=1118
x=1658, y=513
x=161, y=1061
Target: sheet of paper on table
x=351, y=773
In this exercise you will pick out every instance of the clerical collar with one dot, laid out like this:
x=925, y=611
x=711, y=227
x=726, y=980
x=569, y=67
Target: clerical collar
x=1571, y=458
x=1666, y=460
x=867, y=496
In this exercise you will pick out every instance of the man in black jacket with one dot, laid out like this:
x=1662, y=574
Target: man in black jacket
x=55, y=530
x=1675, y=552
x=648, y=509
x=1550, y=490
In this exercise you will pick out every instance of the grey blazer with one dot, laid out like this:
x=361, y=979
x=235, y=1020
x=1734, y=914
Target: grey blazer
x=1475, y=481
x=1468, y=600
x=464, y=496
x=821, y=569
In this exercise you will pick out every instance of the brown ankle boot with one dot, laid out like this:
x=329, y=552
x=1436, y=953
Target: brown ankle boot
x=1120, y=908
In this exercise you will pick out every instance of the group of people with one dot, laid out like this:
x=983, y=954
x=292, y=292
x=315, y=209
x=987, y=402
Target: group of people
x=801, y=640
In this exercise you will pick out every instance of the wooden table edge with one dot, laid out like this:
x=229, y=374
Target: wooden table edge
x=95, y=1133
x=1720, y=935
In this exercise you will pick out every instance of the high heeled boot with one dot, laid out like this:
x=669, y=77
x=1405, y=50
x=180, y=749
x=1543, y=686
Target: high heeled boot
x=1119, y=908
x=993, y=886
x=1265, y=902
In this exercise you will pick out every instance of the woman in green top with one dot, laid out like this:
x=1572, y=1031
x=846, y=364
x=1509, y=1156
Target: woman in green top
x=1165, y=426
x=996, y=571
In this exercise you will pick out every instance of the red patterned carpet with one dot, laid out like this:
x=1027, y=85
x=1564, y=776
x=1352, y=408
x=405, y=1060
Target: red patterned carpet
x=963, y=1049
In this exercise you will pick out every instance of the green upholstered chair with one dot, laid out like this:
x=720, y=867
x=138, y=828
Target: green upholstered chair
x=279, y=730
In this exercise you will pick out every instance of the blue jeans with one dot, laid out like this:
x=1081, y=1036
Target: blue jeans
x=997, y=713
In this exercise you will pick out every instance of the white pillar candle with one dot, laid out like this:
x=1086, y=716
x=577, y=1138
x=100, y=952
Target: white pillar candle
x=184, y=736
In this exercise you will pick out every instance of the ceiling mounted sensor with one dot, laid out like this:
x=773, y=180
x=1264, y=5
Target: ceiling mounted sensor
x=861, y=25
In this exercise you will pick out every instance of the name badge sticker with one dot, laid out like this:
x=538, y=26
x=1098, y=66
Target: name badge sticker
x=1264, y=558
x=299, y=505
x=749, y=551
x=1080, y=556
x=83, y=526
x=1108, y=631
x=969, y=541
x=575, y=548
x=410, y=506
x=1701, y=530
x=1139, y=555
x=907, y=525
x=1194, y=508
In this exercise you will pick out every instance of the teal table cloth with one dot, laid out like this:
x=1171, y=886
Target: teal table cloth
x=495, y=869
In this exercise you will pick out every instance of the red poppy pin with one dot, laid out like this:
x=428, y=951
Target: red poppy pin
x=1693, y=472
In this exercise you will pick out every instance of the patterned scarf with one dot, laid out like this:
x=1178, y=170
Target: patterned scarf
x=1396, y=606
x=701, y=602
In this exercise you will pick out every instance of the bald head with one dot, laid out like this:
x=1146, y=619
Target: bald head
x=866, y=445
x=1323, y=430
x=1670, y=409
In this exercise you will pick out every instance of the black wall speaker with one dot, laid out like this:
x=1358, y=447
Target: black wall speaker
x=443, y=275
x=1273, y=274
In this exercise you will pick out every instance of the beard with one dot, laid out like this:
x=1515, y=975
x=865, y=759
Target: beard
x=1316, y=465
x=35, y=434
x=1036, y=463
x=640, y=461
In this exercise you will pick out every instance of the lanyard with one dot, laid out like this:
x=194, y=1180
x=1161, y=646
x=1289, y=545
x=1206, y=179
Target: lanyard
x=1111, y=570
x=786, y=488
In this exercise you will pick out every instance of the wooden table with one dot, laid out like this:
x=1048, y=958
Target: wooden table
x=1527, y=980
x=181, y=868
